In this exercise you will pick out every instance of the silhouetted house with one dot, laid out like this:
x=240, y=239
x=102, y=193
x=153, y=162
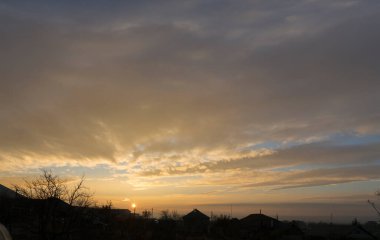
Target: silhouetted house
x=121, y=214
x=12, y=205
x=8, y=193
x=196, y=221
x=259, y=221
x=258, y=226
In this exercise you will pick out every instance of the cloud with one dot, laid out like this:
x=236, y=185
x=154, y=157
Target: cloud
x=177, y=90
x=320, y=177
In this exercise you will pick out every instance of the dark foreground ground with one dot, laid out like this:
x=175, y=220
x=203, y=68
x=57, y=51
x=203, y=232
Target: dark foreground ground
x=53, y=219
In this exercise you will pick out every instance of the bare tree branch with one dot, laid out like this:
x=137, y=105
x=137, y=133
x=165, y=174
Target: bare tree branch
x=52, y=188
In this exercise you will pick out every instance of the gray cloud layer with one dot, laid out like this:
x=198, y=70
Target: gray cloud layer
x=145, y=83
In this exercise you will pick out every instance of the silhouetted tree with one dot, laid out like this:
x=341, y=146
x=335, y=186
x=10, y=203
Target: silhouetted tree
x=167, y=215
x=374, y=205
x=146, y=214
x=59, y=207
x=223, y=227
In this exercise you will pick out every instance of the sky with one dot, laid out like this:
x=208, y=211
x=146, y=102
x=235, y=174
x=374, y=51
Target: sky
x=211, y=104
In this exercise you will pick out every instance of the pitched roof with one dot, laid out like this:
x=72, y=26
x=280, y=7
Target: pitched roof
x=195, y=214
x=6, y=192
x=256, y=217
x=53, y=201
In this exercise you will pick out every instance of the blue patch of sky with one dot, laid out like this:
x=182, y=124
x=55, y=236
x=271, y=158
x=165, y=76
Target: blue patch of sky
x=273, y=145
x=348, y=188
x=309, y=166
x=180, y=178
x=293, y=168
x=137, y=167
x=266, y=145
x=340, y=139
x=353, y=139
x=99, y=170
x=357, y=186
x=336, y=139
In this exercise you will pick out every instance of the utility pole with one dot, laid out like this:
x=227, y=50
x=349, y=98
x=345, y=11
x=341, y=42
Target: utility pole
x=134, y=209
